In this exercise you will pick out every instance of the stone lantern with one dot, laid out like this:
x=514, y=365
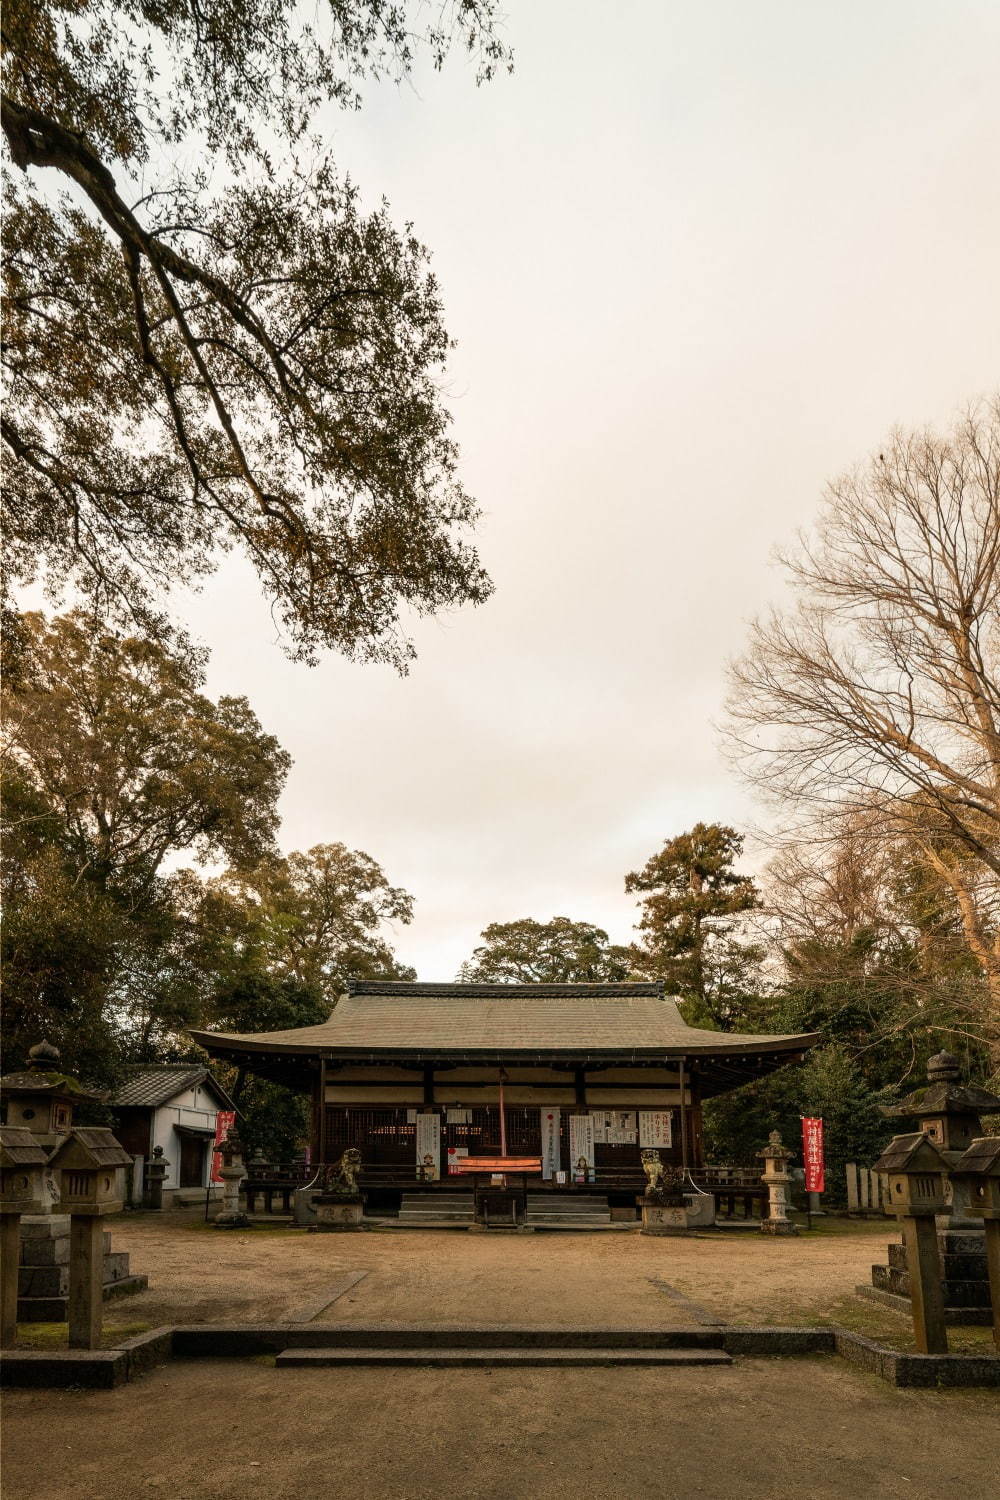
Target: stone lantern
x=22, y=1177
x=978, y=1172
x=914, y=1169
x=232, y=1173
x=949, y=1113
x=89, y=1161
x=157, y=1168
x=42, y=1098
x=776, y=1178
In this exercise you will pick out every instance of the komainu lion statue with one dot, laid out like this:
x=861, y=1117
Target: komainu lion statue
x=654, y=1170
x=342, y=1178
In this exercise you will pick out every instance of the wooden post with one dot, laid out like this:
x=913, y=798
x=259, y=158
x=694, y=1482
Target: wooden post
x=992, y=1227
x=852, y=1187
x=86, y=1281
x=10, y=1257
x=926, y=1295
x=322, y=1112
x=684, y=1134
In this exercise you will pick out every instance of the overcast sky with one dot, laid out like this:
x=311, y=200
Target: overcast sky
x=698, y=260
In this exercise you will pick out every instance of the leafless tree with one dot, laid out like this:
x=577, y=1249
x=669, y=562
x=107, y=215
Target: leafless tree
x=876, y=697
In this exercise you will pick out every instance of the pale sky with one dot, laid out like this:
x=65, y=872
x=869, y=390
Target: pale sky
x=698, y=260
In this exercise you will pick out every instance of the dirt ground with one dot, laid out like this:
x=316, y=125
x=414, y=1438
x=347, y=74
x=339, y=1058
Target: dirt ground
x=202, y=1275
x=231, y=1430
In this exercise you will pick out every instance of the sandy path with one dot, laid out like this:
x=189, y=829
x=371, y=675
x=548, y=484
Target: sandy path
x=205, y=1275
x=759, y=1429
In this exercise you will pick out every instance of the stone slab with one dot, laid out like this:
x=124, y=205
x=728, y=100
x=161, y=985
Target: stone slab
x=955, y=1317
x=93, y=1369
x=919, y=1370
x=520, y=1358
x=53, y=1309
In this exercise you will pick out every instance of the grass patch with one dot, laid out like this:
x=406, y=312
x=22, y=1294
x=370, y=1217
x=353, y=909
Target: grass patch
x=49, y=1336
x=883, y=1325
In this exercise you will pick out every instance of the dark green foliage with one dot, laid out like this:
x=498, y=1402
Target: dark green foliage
x=693, y=899
x=212, y=345
x=559, y=951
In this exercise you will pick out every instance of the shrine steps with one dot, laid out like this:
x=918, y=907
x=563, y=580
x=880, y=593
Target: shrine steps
x=436, y=1208
x=496, y=1358
x=576, y=1211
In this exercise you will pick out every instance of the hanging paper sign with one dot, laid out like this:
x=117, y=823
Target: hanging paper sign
x=428, y=1136
x=550, y=1143
x=655, y=1127
x=459, y=1116
x=812, y=1153
x=581, y=1147
x=455, y=1155
x=223, y=1120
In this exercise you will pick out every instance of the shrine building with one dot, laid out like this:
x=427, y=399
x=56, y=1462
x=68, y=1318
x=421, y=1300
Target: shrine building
x=582, y=1077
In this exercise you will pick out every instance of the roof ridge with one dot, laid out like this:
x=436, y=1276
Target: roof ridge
x=645, y=989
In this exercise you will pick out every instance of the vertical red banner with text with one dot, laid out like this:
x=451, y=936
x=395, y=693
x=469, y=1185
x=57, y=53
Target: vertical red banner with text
x=812, y=1153
x=223, y=1120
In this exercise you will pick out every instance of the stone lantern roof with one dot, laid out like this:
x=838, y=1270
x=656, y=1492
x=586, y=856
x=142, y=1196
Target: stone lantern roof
x=44, y=1076
x=944, y=1094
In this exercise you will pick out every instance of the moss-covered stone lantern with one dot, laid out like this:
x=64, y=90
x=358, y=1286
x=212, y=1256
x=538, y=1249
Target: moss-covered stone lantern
x=89, y=1162
x=914, y=1169
x=42, y=1098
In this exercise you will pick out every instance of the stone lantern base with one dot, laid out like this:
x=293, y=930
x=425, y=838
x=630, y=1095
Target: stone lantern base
x=778, y=1226
x=43, y=1273
x=333, y=1214
x=231, y=1218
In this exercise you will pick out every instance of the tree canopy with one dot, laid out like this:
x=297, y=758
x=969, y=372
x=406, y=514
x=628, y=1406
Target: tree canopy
x=559, y=951
x=226, y=351
x=875, y=701
x=692, y=900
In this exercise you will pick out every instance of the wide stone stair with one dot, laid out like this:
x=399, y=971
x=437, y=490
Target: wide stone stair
x=572, y=1211
x=965, y=1281
x=436, y=1208
x=353, y=1345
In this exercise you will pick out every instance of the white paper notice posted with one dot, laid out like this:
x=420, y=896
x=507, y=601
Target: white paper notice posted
x=656, y=1127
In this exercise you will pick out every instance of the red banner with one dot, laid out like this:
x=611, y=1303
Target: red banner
x=812, y=1153
x=223, y=1120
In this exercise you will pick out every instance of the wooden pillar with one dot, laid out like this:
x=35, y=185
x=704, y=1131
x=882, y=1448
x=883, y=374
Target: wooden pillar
x=926, y=1293
x=10, y=1259
x=86, y=1280
x=321, y=1133
x=428, y=1083
x=684, y=1130
x=992, y=1227
x=580, y=1085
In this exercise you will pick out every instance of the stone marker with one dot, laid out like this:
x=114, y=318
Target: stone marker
x=776, y=1178
x=157, y=1168
x=915, y=1170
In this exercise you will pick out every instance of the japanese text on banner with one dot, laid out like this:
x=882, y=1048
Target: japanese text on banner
x=812, y=1153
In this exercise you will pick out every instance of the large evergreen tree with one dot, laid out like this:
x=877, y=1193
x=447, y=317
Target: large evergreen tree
x=559, y=951
x=692, y=900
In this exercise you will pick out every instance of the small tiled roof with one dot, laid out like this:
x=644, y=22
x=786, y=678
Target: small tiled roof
x=378, y=1016
x=149, y=1087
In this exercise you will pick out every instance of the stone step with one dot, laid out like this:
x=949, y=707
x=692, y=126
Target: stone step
x=53, y=1309
x=324, y=1358
x=496, y=1336
x=956, y=1293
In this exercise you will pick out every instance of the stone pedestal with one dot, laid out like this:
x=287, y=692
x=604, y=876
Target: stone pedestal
x=231, y=1215
x=965, y=1282
x=659, y=1217
x=43, y=1273
x=333, y=1214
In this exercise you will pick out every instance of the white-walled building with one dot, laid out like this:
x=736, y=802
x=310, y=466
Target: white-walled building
x=175, y=1106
